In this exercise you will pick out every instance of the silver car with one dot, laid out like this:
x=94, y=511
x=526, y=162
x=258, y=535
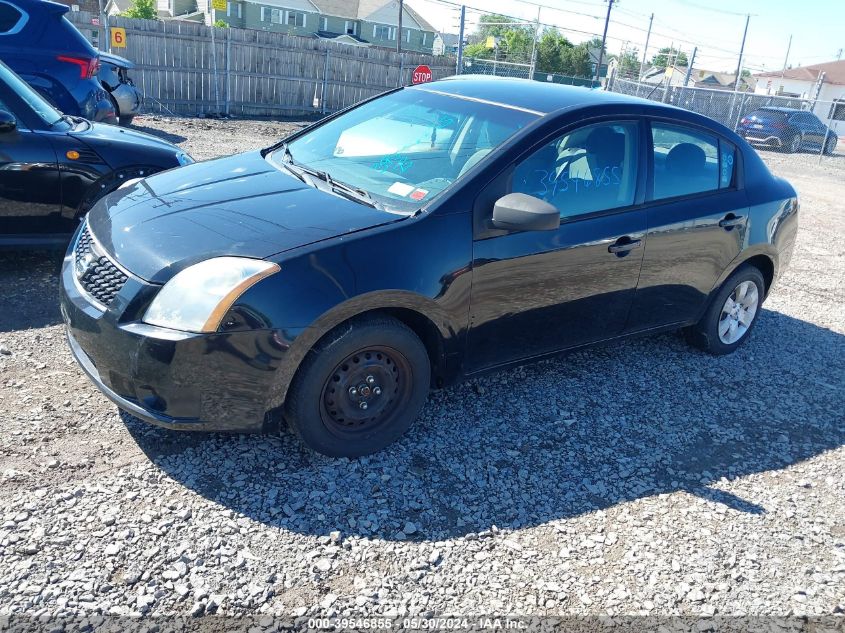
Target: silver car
x=114, y=77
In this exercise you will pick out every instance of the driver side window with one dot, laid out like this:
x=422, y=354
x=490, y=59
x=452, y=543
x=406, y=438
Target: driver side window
x=593, y=168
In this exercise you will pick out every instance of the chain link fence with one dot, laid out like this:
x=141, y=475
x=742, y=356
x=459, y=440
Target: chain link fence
x=521, y=71
x=731, y=108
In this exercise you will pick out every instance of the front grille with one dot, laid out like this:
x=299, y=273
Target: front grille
x=95, y=272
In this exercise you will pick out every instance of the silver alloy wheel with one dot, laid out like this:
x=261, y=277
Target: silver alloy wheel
x=738, y=312
x=795, y=145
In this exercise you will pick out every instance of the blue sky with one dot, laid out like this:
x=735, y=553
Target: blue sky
x=817, y=26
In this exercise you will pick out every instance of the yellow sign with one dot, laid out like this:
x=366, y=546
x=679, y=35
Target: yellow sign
x=491, y=42
x=118, y=37
x=218, y=5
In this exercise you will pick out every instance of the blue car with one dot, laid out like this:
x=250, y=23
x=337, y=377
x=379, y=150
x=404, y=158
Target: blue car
x=48, y=52
x=788, y=129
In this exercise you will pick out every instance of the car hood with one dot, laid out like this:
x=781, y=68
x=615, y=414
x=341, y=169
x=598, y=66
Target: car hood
x=239, y=206
x=114, y=143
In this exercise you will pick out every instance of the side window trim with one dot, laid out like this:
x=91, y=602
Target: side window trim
x=22, y=20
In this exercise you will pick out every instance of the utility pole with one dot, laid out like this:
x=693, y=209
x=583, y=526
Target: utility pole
x=460, y=69
x=645, y=50
x=533, y=67
x=689, y=67
x=741, y=51
x=105, y=42
x=786, y=59
x=604, y=39
x=399, y=32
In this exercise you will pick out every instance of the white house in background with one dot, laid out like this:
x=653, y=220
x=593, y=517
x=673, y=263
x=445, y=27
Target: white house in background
x=803, y=82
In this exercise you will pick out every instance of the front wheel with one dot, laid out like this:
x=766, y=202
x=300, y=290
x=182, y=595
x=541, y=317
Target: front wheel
x=794, y=143
x=830, y=145
x=731, y=315
x=360, y=388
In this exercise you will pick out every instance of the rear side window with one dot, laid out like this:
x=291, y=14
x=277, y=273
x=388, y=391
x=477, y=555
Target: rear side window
x=11, y=19
x=686, y=161
x=727, y=164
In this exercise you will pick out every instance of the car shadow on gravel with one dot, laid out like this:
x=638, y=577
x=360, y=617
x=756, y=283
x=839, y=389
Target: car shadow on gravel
x=30, y=289
x=548, y=441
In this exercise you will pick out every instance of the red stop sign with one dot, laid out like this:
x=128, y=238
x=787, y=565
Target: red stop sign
x=421, y=75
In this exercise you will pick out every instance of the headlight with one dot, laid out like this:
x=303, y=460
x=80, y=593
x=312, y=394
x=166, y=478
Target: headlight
x=197, y=298
x=184, y=159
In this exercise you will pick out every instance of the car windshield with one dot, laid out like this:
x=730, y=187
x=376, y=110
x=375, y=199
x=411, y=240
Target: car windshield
x=406, y=147
x=48, y=113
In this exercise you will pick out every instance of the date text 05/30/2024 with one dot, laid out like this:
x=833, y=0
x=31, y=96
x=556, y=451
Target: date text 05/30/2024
x=420, y=624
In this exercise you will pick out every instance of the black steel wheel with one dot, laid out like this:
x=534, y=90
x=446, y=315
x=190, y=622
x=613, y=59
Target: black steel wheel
x=365, y=391
x=360, y=388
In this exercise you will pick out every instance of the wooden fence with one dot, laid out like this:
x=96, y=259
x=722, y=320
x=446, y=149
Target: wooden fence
x=190, y=69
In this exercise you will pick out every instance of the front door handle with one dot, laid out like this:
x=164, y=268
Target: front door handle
x=623, y=246
x=731, y=220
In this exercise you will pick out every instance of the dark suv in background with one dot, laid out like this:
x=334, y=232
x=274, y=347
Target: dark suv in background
x=48, y=52
x=788, y=129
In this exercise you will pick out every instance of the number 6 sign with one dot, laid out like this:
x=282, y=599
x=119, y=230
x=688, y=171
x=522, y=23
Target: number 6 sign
x=118, y=37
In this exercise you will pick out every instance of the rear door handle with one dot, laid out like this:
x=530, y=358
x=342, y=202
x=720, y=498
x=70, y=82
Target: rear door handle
x=731, y=220
x=623, y=247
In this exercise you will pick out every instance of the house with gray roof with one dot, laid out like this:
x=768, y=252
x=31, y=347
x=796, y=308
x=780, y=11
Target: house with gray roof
x=354, y=22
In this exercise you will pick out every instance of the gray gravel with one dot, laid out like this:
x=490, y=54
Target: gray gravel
x=643, y=478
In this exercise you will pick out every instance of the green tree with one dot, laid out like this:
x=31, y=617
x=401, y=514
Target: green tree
x=550, y=51
x=142, y=9
x=576, y=61
x=478, y=51
x=629, y=63
x=667, y=56
x=496, y=25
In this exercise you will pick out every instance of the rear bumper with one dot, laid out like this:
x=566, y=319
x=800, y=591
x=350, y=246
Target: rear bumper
x=177, y=380
x=762, y=139
x=129, y=99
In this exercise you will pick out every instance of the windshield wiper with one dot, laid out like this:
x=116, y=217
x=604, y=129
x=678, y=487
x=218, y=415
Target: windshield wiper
x=347, y=191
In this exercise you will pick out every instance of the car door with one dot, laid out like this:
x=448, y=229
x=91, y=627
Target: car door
x=30, y=187
x=697, y=215
x=536, y=292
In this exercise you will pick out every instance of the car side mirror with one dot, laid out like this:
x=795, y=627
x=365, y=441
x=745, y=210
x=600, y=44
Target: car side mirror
x=521, y=212
x=8, y=123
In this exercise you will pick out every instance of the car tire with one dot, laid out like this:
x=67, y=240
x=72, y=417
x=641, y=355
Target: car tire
x=375, y=360
x=795, y=142
x=727, y=324
x=830, y=146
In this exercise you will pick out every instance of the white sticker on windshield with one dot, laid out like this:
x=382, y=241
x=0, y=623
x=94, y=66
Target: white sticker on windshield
x=400, y=189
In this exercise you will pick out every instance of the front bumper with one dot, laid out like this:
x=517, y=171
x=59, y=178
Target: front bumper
x=177, y=380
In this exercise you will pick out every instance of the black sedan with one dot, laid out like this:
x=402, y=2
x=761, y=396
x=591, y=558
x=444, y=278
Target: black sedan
x=427, y=235
x=54, y=167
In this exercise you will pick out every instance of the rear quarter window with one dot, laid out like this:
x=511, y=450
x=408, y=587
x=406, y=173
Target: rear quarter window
x=11, y=19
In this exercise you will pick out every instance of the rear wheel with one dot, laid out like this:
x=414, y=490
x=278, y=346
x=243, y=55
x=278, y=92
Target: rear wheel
x=794, y=143
x=830, y=145
x=731, y=315
x=360, y=388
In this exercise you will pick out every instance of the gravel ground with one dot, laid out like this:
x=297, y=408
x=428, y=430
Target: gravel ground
x=643, y=478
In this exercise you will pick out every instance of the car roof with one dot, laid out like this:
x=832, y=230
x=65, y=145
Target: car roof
x=533, y=96
x=779, y=109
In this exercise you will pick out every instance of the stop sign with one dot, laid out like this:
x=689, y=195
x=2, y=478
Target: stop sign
x=421, y=75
